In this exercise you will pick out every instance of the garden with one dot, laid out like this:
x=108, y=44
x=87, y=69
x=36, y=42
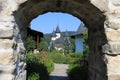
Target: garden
x=40, y=65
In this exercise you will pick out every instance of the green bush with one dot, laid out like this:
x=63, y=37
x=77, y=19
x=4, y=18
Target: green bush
x=79, y=73
x=39, y=64
x=78, y=70
x=47, y=61
x=33, y=76
x=76, y=55
x=30, y=44
x=60, y=58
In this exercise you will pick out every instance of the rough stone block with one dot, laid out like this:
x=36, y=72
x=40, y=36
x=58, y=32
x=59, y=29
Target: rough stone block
x=6, y=43
x=6, y=25
x=112, y=48
x=114, y=7
x=113, y=65
x=102, y=4
x=8, y=7
x=22, y=75
x=113, y=35
x=113, y=22
x=6, y=77
x=6, y=33
x=113, y=77
x=5, y=18
x=6, y=56
x=20, y=1
x=7, y=69
x=22, y=57
x=115, y=48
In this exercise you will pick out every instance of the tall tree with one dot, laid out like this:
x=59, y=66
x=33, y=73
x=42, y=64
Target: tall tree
x=86, y=48
x=67, y=43
x=30, y=44
x=43, y=45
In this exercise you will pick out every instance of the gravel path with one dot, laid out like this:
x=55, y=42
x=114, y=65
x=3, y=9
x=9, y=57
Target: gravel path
x=59, y=72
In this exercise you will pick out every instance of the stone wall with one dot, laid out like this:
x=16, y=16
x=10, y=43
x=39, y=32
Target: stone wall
x=112, y=49
x=111, y=52
x=12, y=51
x=102, y=17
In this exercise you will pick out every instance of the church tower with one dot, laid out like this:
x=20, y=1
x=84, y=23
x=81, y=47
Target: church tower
x=53, y=38
x=57, y=32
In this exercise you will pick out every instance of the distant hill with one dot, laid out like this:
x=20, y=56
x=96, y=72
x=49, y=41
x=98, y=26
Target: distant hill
x=48, y=35
x=69, y=33
x=62, y=33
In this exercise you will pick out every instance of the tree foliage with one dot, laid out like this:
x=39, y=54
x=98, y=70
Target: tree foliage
x=39, y=66
x=30, y=44
x=80, y=67
x=67, y=45
x=43, y=45
x=86, y=47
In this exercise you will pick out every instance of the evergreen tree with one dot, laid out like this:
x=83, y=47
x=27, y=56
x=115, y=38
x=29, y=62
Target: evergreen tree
x=43, y=45
x=67, y=44
x=51, y=46
x=85, y=41
x=86, y=48
x=30, y=44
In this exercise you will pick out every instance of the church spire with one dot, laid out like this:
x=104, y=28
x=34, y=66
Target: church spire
x=53, y=33
x=57, y=29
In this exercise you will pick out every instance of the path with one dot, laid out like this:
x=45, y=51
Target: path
x=59, y=72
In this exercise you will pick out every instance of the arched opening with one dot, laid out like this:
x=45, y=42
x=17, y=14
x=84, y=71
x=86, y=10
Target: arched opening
x=92, y=17
x=57, y=23
x=84, y=10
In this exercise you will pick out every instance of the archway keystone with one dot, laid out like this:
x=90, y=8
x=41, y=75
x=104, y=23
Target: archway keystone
x=102, y=17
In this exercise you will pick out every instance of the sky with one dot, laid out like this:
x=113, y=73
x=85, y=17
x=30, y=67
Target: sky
x=48, y=22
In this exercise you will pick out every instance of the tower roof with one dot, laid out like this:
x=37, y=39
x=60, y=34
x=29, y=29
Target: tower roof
x=57, y=29
x=53, y=34
x=81, y=28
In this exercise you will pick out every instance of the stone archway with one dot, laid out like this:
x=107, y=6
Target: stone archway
x=100, y=16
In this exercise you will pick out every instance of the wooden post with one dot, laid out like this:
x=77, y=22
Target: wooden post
x=38, y=37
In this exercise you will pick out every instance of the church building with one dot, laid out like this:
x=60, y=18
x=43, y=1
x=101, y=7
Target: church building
x=58, y=40
x=78, y=37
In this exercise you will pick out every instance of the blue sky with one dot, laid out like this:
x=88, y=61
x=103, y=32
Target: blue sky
x=47, y=22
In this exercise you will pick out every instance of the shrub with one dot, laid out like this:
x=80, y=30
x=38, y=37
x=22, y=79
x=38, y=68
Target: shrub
x=76, y=55
x=37, y=63
x=33, y=76
x=79, y=73
x=59, y=57
x=47, y=61
x=30, y=44
x=43, y=46
x=78, y=70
